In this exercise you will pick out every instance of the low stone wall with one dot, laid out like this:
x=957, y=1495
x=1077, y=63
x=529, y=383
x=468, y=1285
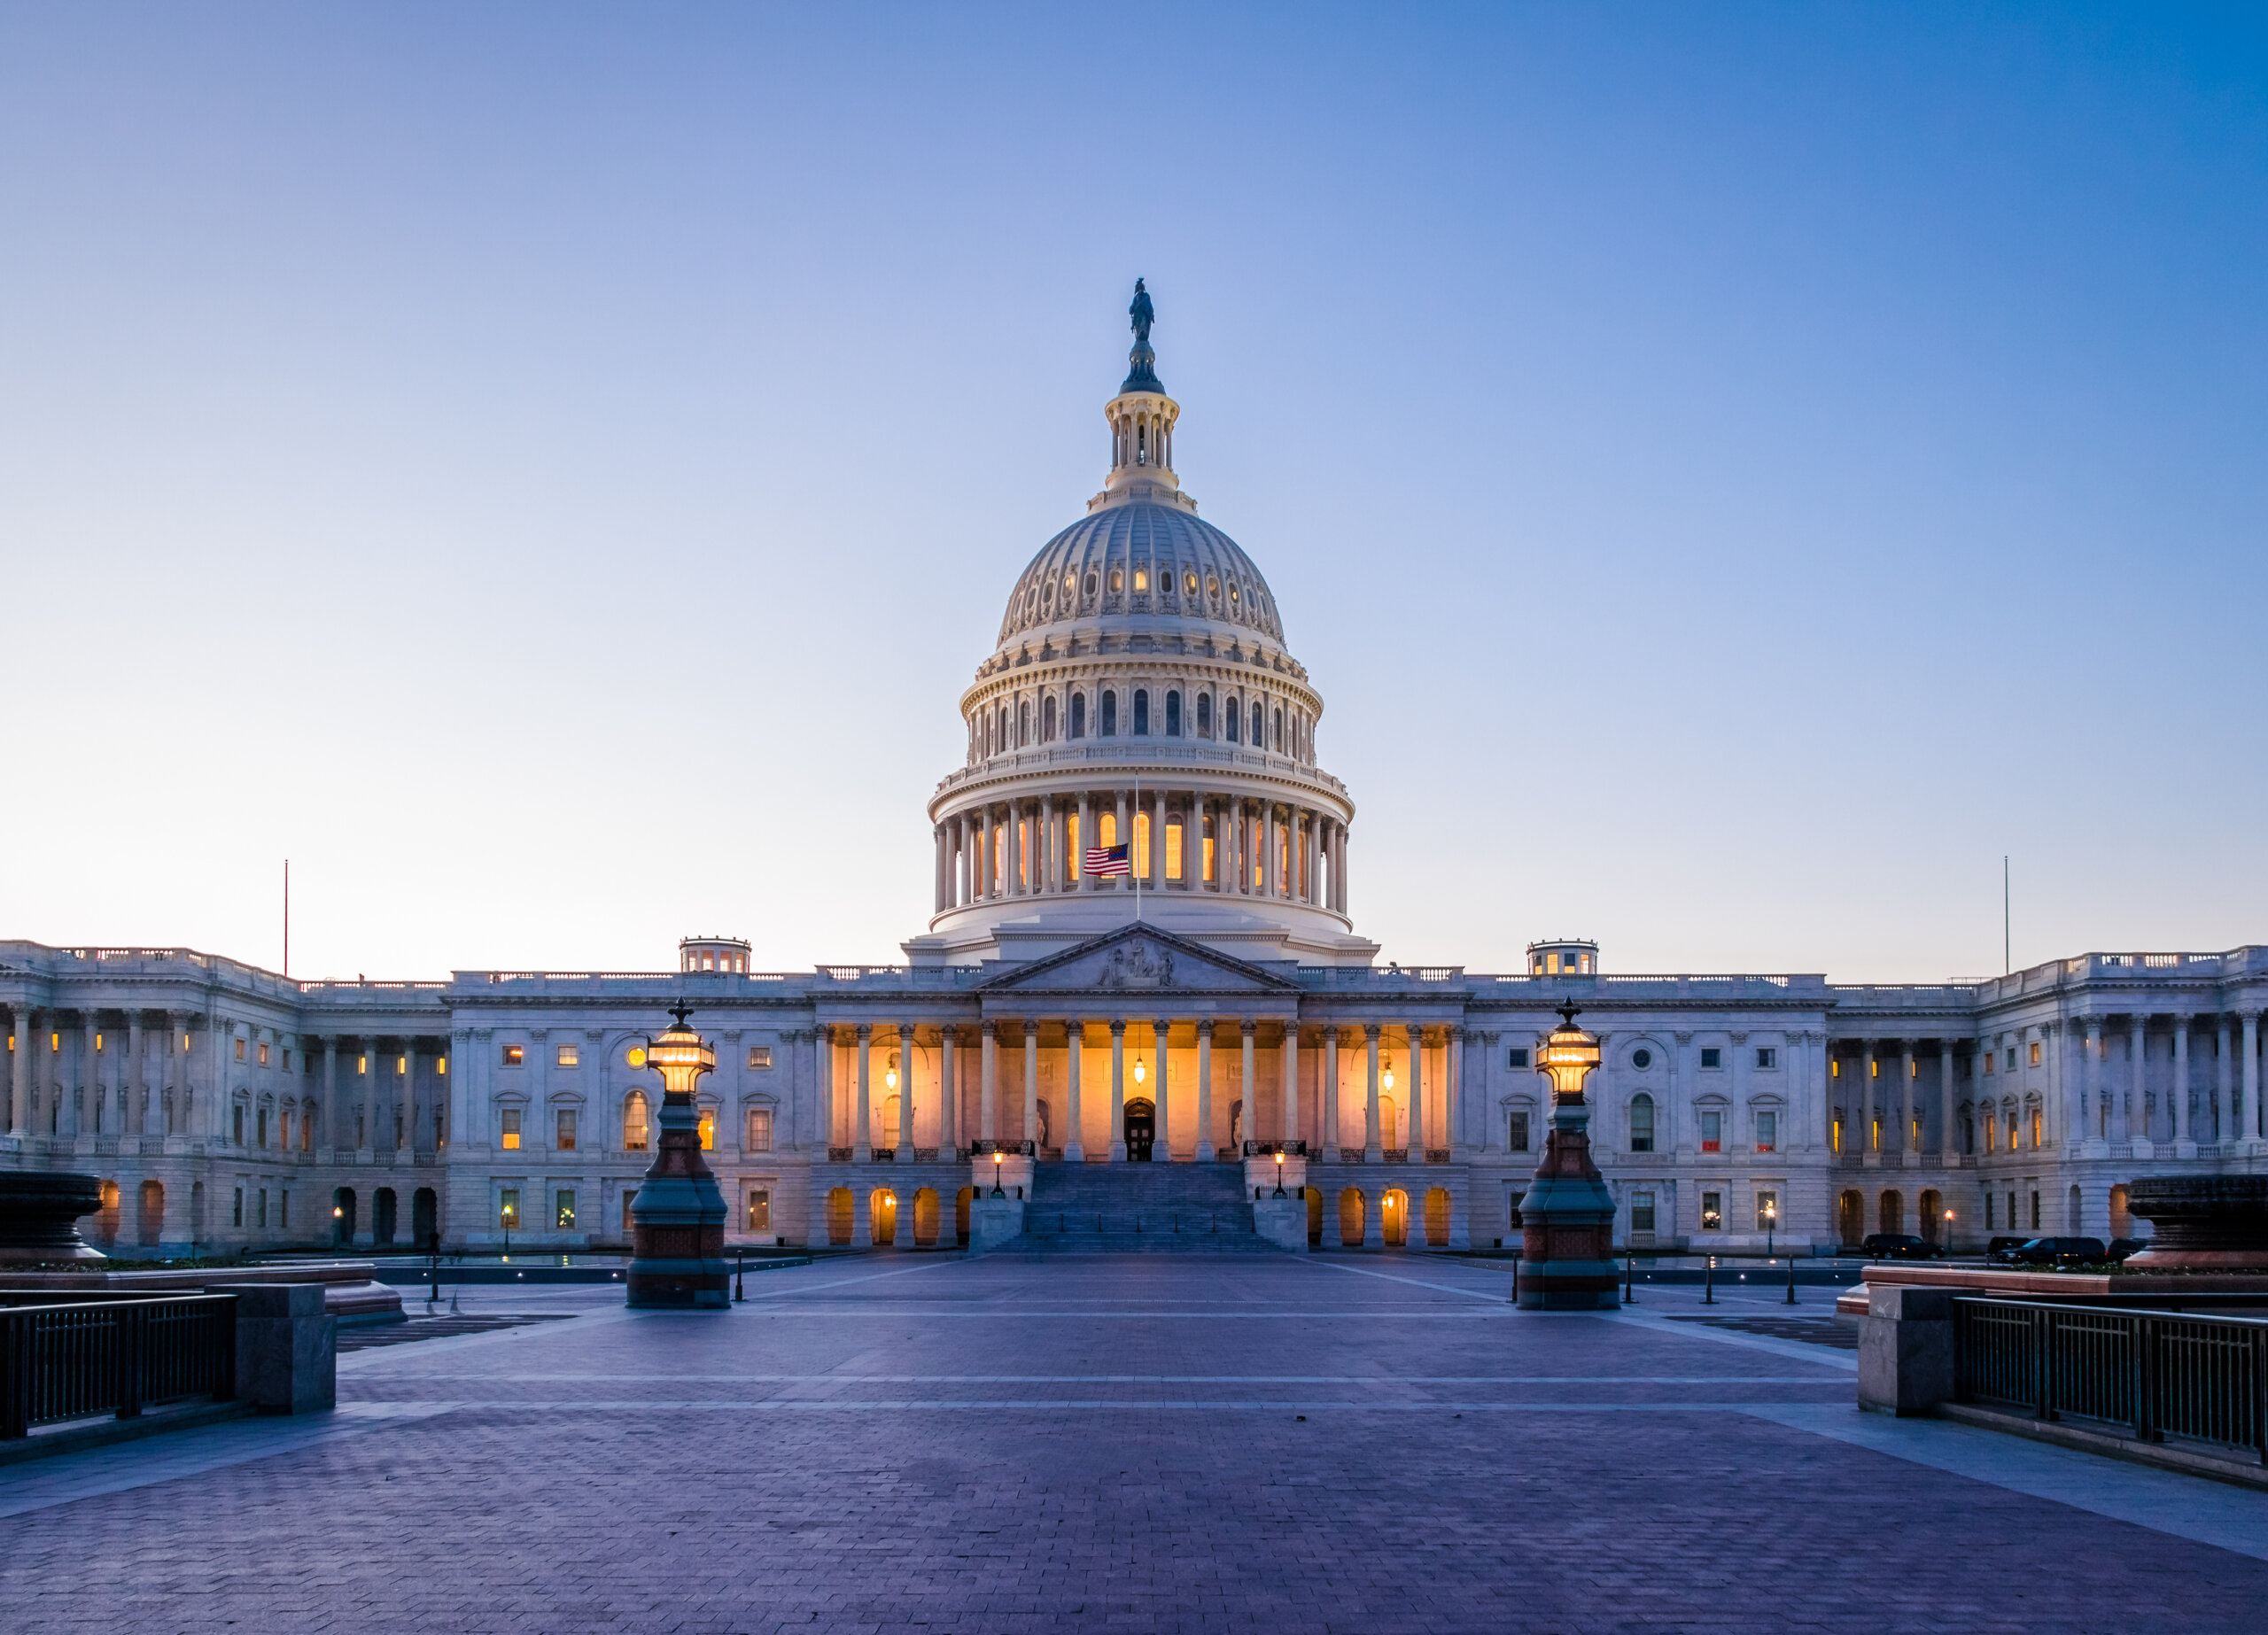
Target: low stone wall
x=2017, y=1283
x=351, y=1291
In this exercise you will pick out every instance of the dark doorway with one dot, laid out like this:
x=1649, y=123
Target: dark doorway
x=425, y=1212
x=1141, y=1130
x=381, y=1217
x=343, y=1216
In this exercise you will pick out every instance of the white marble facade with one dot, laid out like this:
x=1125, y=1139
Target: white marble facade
x=1140, y=691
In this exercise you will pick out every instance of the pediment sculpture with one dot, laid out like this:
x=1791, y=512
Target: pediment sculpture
x=1138, y=963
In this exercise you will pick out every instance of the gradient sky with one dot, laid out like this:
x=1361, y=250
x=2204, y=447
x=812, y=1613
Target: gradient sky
x=549, y=470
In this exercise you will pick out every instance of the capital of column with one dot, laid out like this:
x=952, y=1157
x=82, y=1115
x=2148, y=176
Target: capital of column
x=989, y=1028
x=947, y=1032
x=866, y=1032
x=1205, y=1027
x=904, y=1032
x=2248, y=1015
x=1683, y=1038
x=1249, y=1027
x=1370, y=1032
x=1417, y=1032
x=1117, y=1026
x=1031, y=1029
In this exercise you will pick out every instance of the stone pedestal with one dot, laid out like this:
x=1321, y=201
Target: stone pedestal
x=287, y=1347
x=1281, y=1222
x=2201, y=1223
x=1905, y=1351
x=39, y=1216
x=994, y=1223
x=677, y=1234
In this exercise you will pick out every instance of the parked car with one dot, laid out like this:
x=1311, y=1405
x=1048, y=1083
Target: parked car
x=2121, y=1247
x=2060, y=1252
x=2001, y=1251
x=1898, y=1246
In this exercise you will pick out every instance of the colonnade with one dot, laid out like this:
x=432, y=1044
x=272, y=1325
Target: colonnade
x=998, y=1042
x=1031, y=846
x=69, y=1077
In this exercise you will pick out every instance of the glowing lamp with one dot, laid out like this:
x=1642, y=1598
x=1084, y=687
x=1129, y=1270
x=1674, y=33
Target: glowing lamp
x=1568, y=1058
x=1386, y=1079
x=677, y=1230
x=1140, y=1073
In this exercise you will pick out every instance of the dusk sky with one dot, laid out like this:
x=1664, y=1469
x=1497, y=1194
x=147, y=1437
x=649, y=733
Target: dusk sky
x=1733, y=473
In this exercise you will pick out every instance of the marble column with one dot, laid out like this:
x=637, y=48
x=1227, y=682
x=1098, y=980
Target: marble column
x=1248, y=1086
x=1031, y=1084
x=1074, y=1040
x=1207, y=1149
x=136, y=1120
x=1162, y=1150
x=1051, y=850
x=988, y=1073
x=19, y=1075
x=1086, y=838
x=1416, y=1097
x=2181, y=1079
x=823, y=1084
x=905, y=1097
x=948, y=1113
x=1372, y=1152
x=81, y=1108
x=1330, y=1132
x=1122, y=882
x=862, y=1108
x=1868, y=1117
x=1453, y=1089
x=333, y=1114
x=1271, y=865
x=2137, y=1059
x=2249, y=1125
x=1907, y=1141
x=2224, y=1118
x=1292, y=1080
x=1118, y=1090
x=1949, y=1143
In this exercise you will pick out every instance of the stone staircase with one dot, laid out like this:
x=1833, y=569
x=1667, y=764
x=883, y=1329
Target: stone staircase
x=1140, y=1209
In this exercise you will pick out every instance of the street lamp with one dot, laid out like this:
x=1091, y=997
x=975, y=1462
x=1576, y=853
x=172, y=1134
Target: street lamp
x=1771, y=1221
x=1948, y=1237
x=996, y=1173
x=677, y=1250
x=1567, y=1214
x=1280, y=1172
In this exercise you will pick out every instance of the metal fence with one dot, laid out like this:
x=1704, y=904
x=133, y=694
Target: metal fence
x=86, y=1358
x=2157, y=1374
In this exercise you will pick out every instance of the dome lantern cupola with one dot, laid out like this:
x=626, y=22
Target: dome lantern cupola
x=1141, y=419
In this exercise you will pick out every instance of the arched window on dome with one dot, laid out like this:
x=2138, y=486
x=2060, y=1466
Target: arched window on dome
x=1047, y=719
x=1279, y=729
x=1141, y=712
x=1173, y=715
x=984, y=735
x=1259, y=727
x=1204, y=715
x=1109, y=715
x=1078, y=715
x=1232, y=718
x=1023, y=724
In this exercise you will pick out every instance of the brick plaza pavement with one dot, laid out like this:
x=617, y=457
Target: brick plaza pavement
x=1369, y=1444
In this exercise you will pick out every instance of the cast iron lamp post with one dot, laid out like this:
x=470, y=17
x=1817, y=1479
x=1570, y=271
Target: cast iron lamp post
x=1280, y=1172
x=1771, y=1223
x=1567, y=1215
x=996, y=1173
x=677, y=1256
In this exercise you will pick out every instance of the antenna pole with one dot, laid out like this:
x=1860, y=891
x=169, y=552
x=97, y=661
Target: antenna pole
x=287, y=916
x=2007, y=962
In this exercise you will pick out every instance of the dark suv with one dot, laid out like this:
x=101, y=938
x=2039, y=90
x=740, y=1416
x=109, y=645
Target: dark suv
x=2060, y=1252
x=2001, y=1251
x=1898, y=1246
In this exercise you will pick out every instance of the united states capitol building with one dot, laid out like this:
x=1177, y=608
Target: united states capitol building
x=1163, y=1036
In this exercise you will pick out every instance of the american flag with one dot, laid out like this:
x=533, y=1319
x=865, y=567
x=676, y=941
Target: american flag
x=1103, y=861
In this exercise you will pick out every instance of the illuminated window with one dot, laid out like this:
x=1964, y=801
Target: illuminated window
x=1712, y=1057
x=1834, y=1070
x=1117, y=581
x=708, y=1130
x=759, y=1057
x=563, y=1219
x=240, y=1050
x=401, y=1067
x=2035, y=1060
x=515, y=1055
x=570, y=1056
x=759, y=1210
x=1713, y=1131
x=634, y=1128
x=564, y=1119
x=1767, y=1131
x=1767, y=1210
x=2035, y=1132
x=511, y=1129
x=1834, y=1131
x=1173, y=851
x=1713, y=1211
x=1992, y=1134
x=507, y=1208
x=1642, y=1212
x=759, y=1129
x=1141, y=578
x=441, y=1065
x=1642, y=1123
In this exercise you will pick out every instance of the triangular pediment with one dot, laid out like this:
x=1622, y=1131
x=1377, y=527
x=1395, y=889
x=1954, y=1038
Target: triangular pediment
x=1140, y=959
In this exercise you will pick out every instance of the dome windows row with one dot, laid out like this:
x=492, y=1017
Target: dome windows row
x=1140, y=712
x=1041, y=597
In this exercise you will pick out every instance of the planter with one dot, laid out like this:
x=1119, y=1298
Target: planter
x=2204, y=1223
x=39, y=1216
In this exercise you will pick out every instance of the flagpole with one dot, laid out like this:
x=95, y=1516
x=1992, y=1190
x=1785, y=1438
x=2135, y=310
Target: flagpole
x=1129, y=847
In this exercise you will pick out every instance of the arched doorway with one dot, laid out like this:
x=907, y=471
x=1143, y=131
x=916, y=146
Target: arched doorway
x=106, y=1217
x=152, y=1222
x=1850, y=1218
x=881, y=1207
x=1437, y=1218
x=1394, y=1218
x=1891, y=1212
x=2122, y=1224
x=838, y=1215
x=1351, y=1209
x=425, y=1218
x=1141, y=1129
x=342, y=1217
x=960, y=1215
x=1932, y=1208
x=925, y=1218
x=382, y=1216
x=1314, y=1216
x=2074, y=1213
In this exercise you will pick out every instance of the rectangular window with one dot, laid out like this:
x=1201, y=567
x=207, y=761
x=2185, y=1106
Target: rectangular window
x=2035, y=1129
x=2035, y=1212
x=564, y=1218
x=1642, y=1212
x=511, y=1129
x=1173, y=851
x=1766, y=1057
x=759, y=1210
x=759, y=1058
x=1519, y=1056
x=361, y=1064
x=1834, y=1131
x=1712, y=1057
x=708, y=1130
x=441, y=1065
x=515, y=1055
x=1988, y=1211
x=1713, y=1211
x=1768, y=1212
x=1767, y=1132
x=1519, y=1132
x=239, y=1123
x=1834, y=1069
x=1988, y=1063
x=285, y=1206
x=1142, y=844
x=2012, y=1059
x=401, y=1067
x=507, y=1208
x=287, y=1061
x=570, y=1056
x=2035, y=1053
x=565, y=1120
x=759, y=1129
x=240, y=1050
x=237, y=1217
x=1712, y=1132
x=261, y=1205
x=263, y=1055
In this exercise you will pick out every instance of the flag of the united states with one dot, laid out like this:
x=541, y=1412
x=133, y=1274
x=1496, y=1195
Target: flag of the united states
x=1105, y=861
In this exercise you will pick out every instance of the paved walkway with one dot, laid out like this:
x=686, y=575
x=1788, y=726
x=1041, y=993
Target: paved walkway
x=1363, y=1443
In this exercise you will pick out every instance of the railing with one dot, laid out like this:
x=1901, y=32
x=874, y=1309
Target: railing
x=72, y=1361
x=1270, y=1149
x=2158, y=1374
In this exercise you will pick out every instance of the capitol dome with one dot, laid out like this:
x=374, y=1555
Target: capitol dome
x=1139, y=696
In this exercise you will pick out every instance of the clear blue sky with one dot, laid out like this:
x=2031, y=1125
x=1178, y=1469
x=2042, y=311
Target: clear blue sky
x=1733, y=472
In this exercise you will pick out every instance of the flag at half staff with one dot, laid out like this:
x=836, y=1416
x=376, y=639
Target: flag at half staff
x=1105, y=861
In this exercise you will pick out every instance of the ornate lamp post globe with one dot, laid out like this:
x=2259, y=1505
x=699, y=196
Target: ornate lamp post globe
x=1567, y=1216
x=678, y=1239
